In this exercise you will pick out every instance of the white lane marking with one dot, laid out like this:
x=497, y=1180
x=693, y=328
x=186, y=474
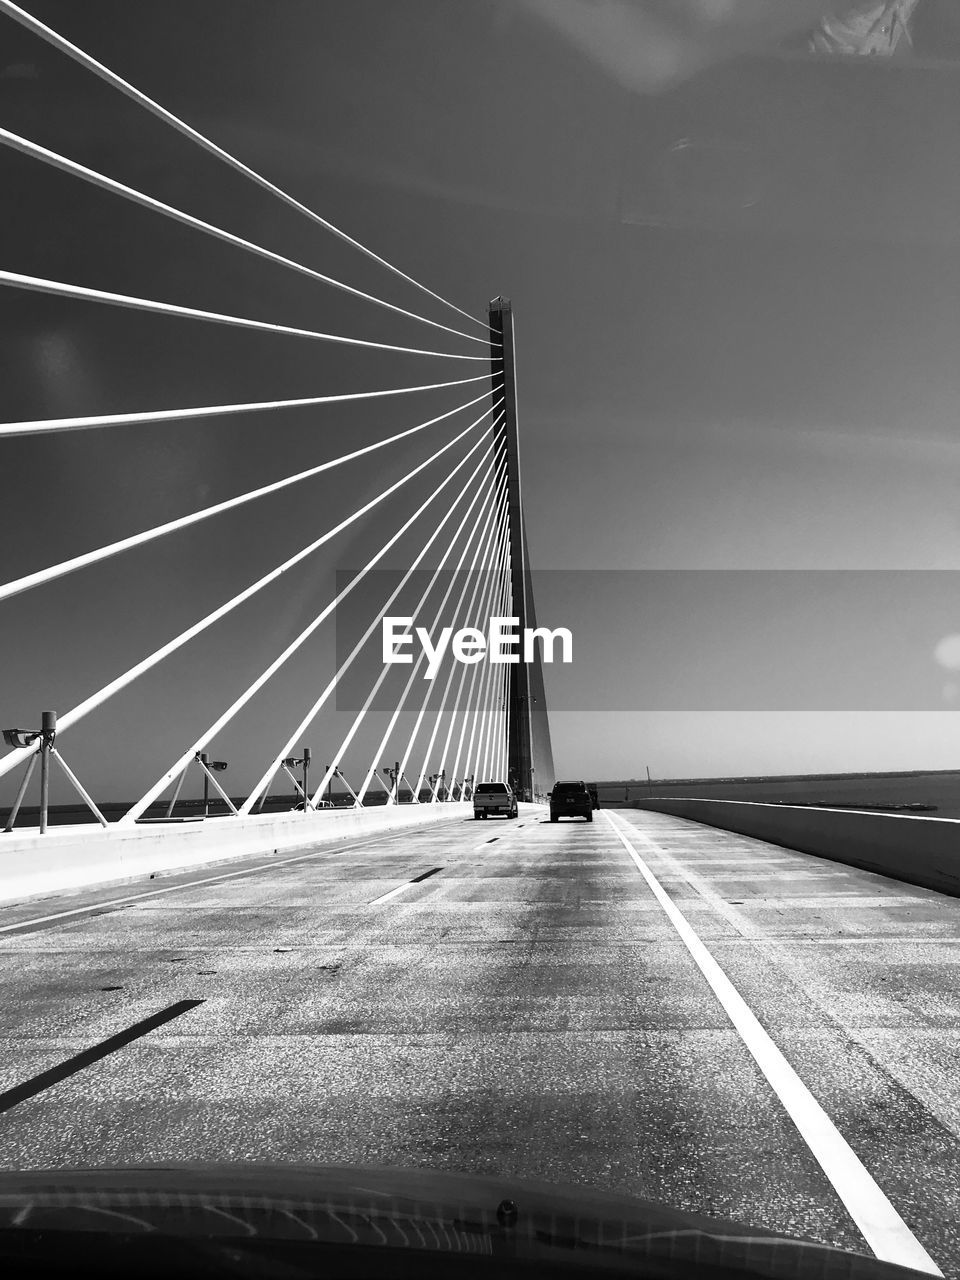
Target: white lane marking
x=878, y=1221
x=408, y=884
x=227, y=875
x=385, y=897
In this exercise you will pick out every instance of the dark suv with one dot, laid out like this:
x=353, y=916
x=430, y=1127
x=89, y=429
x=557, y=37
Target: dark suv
x=570, y=800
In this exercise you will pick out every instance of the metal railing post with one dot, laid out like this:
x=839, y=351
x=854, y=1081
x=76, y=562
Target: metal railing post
x=48, y=733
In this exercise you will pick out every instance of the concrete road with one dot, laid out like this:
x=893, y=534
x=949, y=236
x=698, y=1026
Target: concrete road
x=542, y=1005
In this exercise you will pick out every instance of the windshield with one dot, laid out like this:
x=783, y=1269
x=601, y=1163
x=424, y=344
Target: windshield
x=410, y=410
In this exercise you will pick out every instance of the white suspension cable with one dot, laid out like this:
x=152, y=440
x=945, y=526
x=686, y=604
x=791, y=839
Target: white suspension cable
x=479, y=770
x=496, y=705
x=237, y=705
x=145, y=801
x=348, y=662
x=485, y=535
x=507, y=706
x=495, y=749
x=476, y=687
x=416, y=666
x=52, y=158
x=505, y=735
x=489, y=747
x=490, y=767
x=373, y=770
x=483, y=743
x=182, y=522
x=493, y=711
x=36, y=426
x=483, y=579
x=501, y=695
x=488, y=602
x=59, y=288
x=502, y=728
x=507, y=709
x=39, y=28
x=484, y=706
x=332, y=684
x=494, y=522
x=15, y=757
x=469, y=764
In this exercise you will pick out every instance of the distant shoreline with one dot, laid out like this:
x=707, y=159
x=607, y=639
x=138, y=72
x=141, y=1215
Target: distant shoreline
x=781, y=777
x=927, y=791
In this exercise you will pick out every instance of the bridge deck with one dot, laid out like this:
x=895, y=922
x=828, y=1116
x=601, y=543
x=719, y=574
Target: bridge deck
x=530, y=1009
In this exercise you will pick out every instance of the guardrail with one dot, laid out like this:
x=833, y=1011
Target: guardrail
x=918, y=850
x=34, y=865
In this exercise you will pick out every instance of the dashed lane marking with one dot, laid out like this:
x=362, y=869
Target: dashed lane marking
x=98, y=908
x=385, y=897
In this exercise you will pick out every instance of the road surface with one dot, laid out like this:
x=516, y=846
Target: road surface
x=533, y=1008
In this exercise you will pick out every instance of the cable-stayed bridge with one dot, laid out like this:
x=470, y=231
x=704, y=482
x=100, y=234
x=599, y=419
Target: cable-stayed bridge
x=474, y=724
x=243, y=450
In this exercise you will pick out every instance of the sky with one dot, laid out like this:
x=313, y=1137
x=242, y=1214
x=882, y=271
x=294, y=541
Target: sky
x=737, y=325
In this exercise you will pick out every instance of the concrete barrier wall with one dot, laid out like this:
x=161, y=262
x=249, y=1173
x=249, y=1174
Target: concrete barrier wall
x=919, y=850
x=34, y=865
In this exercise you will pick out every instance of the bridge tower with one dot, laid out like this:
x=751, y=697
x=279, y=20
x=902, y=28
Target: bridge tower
x=530, y=754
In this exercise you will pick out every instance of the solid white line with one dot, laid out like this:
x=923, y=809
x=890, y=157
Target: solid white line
x=227, y=875
x=882, y=1227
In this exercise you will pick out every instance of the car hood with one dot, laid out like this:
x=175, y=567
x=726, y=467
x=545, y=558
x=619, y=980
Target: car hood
x=411, y=1209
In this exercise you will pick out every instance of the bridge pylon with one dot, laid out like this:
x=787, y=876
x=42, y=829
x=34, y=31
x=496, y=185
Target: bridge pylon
x=530, y=754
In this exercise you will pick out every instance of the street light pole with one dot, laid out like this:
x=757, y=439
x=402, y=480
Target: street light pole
x=204, y=759
x=48, y=732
